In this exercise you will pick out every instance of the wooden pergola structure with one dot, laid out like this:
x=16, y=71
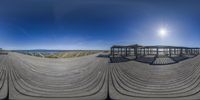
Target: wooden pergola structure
x=139, y=50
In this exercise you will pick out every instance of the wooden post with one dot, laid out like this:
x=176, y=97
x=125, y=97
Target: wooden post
x=136, y=52
x=192, y=51
x=111, y=52
x=121, y=51
x=198, y=51
x=157, y=52
x=126, y=52
x=175, y=51
x=150, y=51
x=181, y=52
x=117, y=51
x=195, y=51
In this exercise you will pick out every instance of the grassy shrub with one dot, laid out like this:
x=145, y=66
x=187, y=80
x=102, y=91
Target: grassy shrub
x=71, y=54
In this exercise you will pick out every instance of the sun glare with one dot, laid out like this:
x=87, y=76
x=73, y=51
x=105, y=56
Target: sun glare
x=162, y=32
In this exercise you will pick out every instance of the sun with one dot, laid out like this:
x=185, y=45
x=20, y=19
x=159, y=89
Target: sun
x=162, y=32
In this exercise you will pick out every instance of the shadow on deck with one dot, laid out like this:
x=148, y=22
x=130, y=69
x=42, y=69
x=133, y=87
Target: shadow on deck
x=151, y=59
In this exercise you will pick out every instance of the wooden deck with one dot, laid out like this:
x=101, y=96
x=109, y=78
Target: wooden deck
x=93, y=77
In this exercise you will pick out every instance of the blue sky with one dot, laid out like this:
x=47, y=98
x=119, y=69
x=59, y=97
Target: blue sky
x=97, y=24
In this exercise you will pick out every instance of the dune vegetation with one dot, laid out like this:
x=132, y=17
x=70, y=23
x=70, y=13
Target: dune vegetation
x=71, y=54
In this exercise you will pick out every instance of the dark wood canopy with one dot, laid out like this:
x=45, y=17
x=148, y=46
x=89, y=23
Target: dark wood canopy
x=136, y=50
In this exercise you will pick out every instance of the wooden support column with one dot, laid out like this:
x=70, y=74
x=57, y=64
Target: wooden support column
x=157, y=52
x=174, y=51
x=165, y=51
x=150, y=51
x=181, y=52
x=112, y=52
x=118, y=51
x=185, y=51
x=198, y=51
x=195, y=51
x=136, y=52
x=121, y=51
x=170, y=52
x=126, y=52
x=191, y=51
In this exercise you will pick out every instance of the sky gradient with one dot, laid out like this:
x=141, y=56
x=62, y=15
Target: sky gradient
x=97, y=24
